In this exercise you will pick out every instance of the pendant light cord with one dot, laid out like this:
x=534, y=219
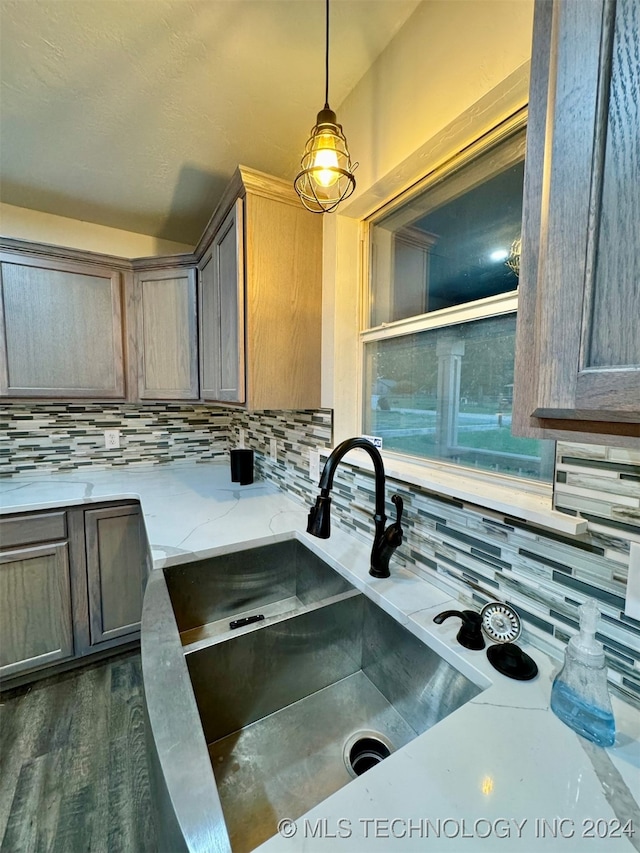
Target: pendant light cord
x=326, y=62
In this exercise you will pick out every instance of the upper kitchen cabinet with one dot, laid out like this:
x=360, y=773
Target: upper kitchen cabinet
x=61, y=329
x=165, y=336
x=578, y=339
x=260, y=297
x=222, y=312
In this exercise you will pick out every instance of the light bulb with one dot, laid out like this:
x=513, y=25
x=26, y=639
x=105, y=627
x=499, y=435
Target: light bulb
x=325, y=161
x=499, y=255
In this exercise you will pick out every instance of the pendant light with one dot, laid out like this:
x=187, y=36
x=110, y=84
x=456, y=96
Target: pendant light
x=326, y=177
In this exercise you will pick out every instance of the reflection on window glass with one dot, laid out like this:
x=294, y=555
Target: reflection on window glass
x=447, y=394
x=451, y=244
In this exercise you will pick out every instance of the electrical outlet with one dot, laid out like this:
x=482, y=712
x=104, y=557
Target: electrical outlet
x=111, y=438
x=314, y=465
x=632, y=600
x=241, y=439
x=273, y=449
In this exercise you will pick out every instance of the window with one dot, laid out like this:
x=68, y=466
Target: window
x=439, y=347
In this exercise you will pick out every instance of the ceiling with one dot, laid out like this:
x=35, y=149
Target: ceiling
x=134, y=113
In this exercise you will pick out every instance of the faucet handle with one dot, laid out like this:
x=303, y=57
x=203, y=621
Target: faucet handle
x=393, y=534
x=399, y=504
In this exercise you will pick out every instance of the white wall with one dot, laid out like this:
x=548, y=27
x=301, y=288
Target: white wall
x=454, y=70
x=24, y=224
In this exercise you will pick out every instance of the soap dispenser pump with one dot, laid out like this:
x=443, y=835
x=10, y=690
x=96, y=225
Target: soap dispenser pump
x=580, y=695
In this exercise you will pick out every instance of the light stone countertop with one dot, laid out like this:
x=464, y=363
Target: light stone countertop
x=487, y=777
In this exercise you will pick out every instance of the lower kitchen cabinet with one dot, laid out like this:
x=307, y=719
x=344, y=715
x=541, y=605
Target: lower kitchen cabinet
x=36, y=626
x=115, y=571
x=77, y=595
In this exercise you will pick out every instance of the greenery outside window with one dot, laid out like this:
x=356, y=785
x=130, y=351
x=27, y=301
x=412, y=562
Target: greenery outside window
x=439, y=347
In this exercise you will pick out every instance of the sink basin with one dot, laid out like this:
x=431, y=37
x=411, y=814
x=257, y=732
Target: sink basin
x=268, y=580
x=247, y=726
x=285, y=708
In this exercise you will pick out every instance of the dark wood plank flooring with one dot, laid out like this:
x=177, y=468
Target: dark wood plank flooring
x=73, y=772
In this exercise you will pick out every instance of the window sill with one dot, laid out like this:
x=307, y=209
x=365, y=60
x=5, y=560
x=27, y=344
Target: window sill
x=527, y=501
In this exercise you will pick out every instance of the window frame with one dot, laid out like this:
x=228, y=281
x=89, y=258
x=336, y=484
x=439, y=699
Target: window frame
x=491, y=306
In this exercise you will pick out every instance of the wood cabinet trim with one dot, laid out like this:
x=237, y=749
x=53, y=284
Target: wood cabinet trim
x=244, y=181
x=162, y=262
x=79, y=590
x=234, y=190
x=615, y=391
x=207, y=393
x=39, y=253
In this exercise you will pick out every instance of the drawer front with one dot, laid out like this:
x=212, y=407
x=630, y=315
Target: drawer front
x=32, y=528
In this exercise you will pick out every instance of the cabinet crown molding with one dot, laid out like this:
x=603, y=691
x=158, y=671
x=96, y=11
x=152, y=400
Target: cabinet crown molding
x=245, y=181
x=12, y=249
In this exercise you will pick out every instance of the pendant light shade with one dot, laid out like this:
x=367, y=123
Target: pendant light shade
x=326, y=175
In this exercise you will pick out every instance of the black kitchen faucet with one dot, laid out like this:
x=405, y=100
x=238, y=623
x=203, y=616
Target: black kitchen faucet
x=385, y=541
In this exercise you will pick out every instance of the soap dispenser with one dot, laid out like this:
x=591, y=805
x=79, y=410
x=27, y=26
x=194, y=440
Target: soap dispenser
x=580, y=695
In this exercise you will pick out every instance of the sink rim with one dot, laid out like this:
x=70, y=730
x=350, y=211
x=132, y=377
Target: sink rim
x=191, y=811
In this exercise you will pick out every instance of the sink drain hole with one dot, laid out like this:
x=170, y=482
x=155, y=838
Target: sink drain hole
x=365, y=753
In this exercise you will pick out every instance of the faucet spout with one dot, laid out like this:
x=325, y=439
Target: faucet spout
x=385, y=540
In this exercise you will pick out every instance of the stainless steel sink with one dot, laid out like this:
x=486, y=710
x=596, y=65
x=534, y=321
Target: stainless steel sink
x=282, y=707
x=268, y=581
x=252, y=725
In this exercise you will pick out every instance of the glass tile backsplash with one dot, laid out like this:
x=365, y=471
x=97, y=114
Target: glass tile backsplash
x=64, y=436
x=476, y=553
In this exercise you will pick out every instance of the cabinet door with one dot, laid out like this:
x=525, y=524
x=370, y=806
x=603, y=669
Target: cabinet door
x=61, y=329
x=116, y=571
x=580, y=299
x=35, y=608
x=167, y=335
x=283, y=302
x=222, y=313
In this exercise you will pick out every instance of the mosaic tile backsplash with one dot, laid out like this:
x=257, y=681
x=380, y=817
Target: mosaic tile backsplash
x=296, y=433
x=478, y=554
x=62, y=436
x=483, y=555
x=544, y=575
